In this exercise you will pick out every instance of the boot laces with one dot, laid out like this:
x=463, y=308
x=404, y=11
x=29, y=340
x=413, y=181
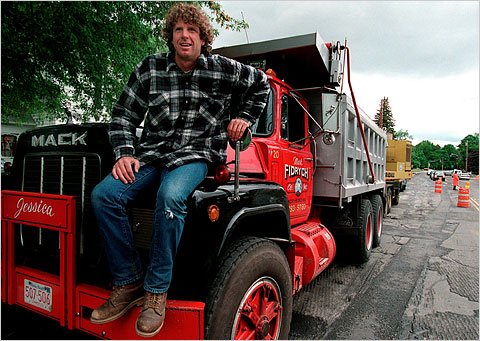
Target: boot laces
x=153, y=300
x=116, y=292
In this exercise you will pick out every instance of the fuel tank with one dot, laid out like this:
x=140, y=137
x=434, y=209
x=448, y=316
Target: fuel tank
x=315, y=250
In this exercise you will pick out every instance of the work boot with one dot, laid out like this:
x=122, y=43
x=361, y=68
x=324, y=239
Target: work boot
x=120, y=301
x=150, y=320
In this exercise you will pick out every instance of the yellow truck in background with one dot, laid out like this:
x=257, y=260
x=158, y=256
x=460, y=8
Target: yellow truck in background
x=398, y=168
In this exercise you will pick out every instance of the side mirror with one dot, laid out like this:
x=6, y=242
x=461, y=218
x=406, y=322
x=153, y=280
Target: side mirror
x=244, y=141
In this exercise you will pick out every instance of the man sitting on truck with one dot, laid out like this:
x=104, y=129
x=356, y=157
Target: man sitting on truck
x=190, y=102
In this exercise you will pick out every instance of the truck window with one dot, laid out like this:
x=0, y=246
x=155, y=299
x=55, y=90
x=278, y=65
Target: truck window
x=264, y=124
x=293, y=120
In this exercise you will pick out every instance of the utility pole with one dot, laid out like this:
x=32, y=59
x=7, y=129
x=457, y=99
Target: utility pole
x=246, y=34
x=466, y=156
x=380, y=119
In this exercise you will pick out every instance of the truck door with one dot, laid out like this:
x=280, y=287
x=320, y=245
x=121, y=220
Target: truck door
x=297, y=158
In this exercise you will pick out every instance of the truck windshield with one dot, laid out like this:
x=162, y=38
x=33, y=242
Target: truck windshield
x=264, y=124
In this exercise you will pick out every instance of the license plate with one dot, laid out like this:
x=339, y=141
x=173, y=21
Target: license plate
x=37, y=294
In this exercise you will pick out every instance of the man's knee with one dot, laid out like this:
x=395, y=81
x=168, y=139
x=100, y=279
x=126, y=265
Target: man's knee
x=97, y=196
x=171, y=199
x=101, y=194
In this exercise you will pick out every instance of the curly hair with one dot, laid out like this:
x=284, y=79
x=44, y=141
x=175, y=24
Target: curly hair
x=189, y=14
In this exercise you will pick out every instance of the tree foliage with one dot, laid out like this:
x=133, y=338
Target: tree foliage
x=402, y=135
x=468, y=151
x=75, y=56
x=426, y=154
x=384, y=117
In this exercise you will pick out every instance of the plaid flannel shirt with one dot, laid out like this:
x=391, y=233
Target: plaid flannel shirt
x=185, y=115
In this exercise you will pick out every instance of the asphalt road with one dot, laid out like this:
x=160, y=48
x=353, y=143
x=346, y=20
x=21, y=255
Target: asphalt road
x=422, y=282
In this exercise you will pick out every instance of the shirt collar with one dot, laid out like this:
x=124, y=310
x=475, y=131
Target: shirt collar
x=171, y=65
x=202, y=61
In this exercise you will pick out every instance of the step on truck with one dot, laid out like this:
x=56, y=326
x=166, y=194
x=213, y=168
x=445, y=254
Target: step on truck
x=258, y=229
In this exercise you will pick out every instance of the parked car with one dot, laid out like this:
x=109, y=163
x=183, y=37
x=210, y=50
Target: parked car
x=448, y=172
x=435, y=174
x=6, y=166
x=439, y=174
x=464, y=176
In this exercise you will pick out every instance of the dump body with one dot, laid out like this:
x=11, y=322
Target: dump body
x=341, y=168
x=301, y=61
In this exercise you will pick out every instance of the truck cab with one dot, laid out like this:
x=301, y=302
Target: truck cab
x=280, y=150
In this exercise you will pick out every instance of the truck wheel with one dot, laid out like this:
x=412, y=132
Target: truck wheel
x=251, y=295
x=364, y=240
x=377, y=210
x=396, y=197
x=389, y=200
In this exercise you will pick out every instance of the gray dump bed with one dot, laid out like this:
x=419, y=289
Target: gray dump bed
x=301, y=61
x=342, y=169
x=304, y=62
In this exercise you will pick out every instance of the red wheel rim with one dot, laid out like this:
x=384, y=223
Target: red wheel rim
x=379, y=222
x=369, y=234
x=259, y=315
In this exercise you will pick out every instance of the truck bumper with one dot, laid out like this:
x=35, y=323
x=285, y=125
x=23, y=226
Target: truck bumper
x=59, y=296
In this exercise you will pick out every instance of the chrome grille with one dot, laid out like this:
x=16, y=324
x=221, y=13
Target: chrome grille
x=69, y=174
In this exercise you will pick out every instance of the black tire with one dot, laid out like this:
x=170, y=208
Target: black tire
x=396, y=197
x=377, y=213
x=364, y=240
x=389, y=201
x=252, y=268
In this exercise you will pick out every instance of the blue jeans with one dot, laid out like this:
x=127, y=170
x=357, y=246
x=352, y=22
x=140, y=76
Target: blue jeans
x=110, y=199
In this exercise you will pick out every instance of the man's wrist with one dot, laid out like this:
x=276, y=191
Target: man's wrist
x=123, y=152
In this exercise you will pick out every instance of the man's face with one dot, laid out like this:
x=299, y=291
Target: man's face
x=186, y=41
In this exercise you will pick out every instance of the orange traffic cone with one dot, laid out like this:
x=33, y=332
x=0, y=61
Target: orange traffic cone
x=438, y=186
x=463, y=197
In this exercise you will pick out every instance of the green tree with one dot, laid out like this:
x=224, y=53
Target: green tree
x=61, y=58
x=402, y=135
x=384, y=117
x=451, y=156
x=426, y=153
x=419, y=160
x=468, y=150
x=438, y=159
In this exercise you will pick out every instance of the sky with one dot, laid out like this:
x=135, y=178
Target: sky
x=422, y=55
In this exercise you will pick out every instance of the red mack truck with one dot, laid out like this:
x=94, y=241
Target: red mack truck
x=311, y=177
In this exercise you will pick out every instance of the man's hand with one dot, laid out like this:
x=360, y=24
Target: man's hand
x=124, y=167
x=236, y=128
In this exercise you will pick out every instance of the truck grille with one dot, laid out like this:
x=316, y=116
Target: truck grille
x=69, y=174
